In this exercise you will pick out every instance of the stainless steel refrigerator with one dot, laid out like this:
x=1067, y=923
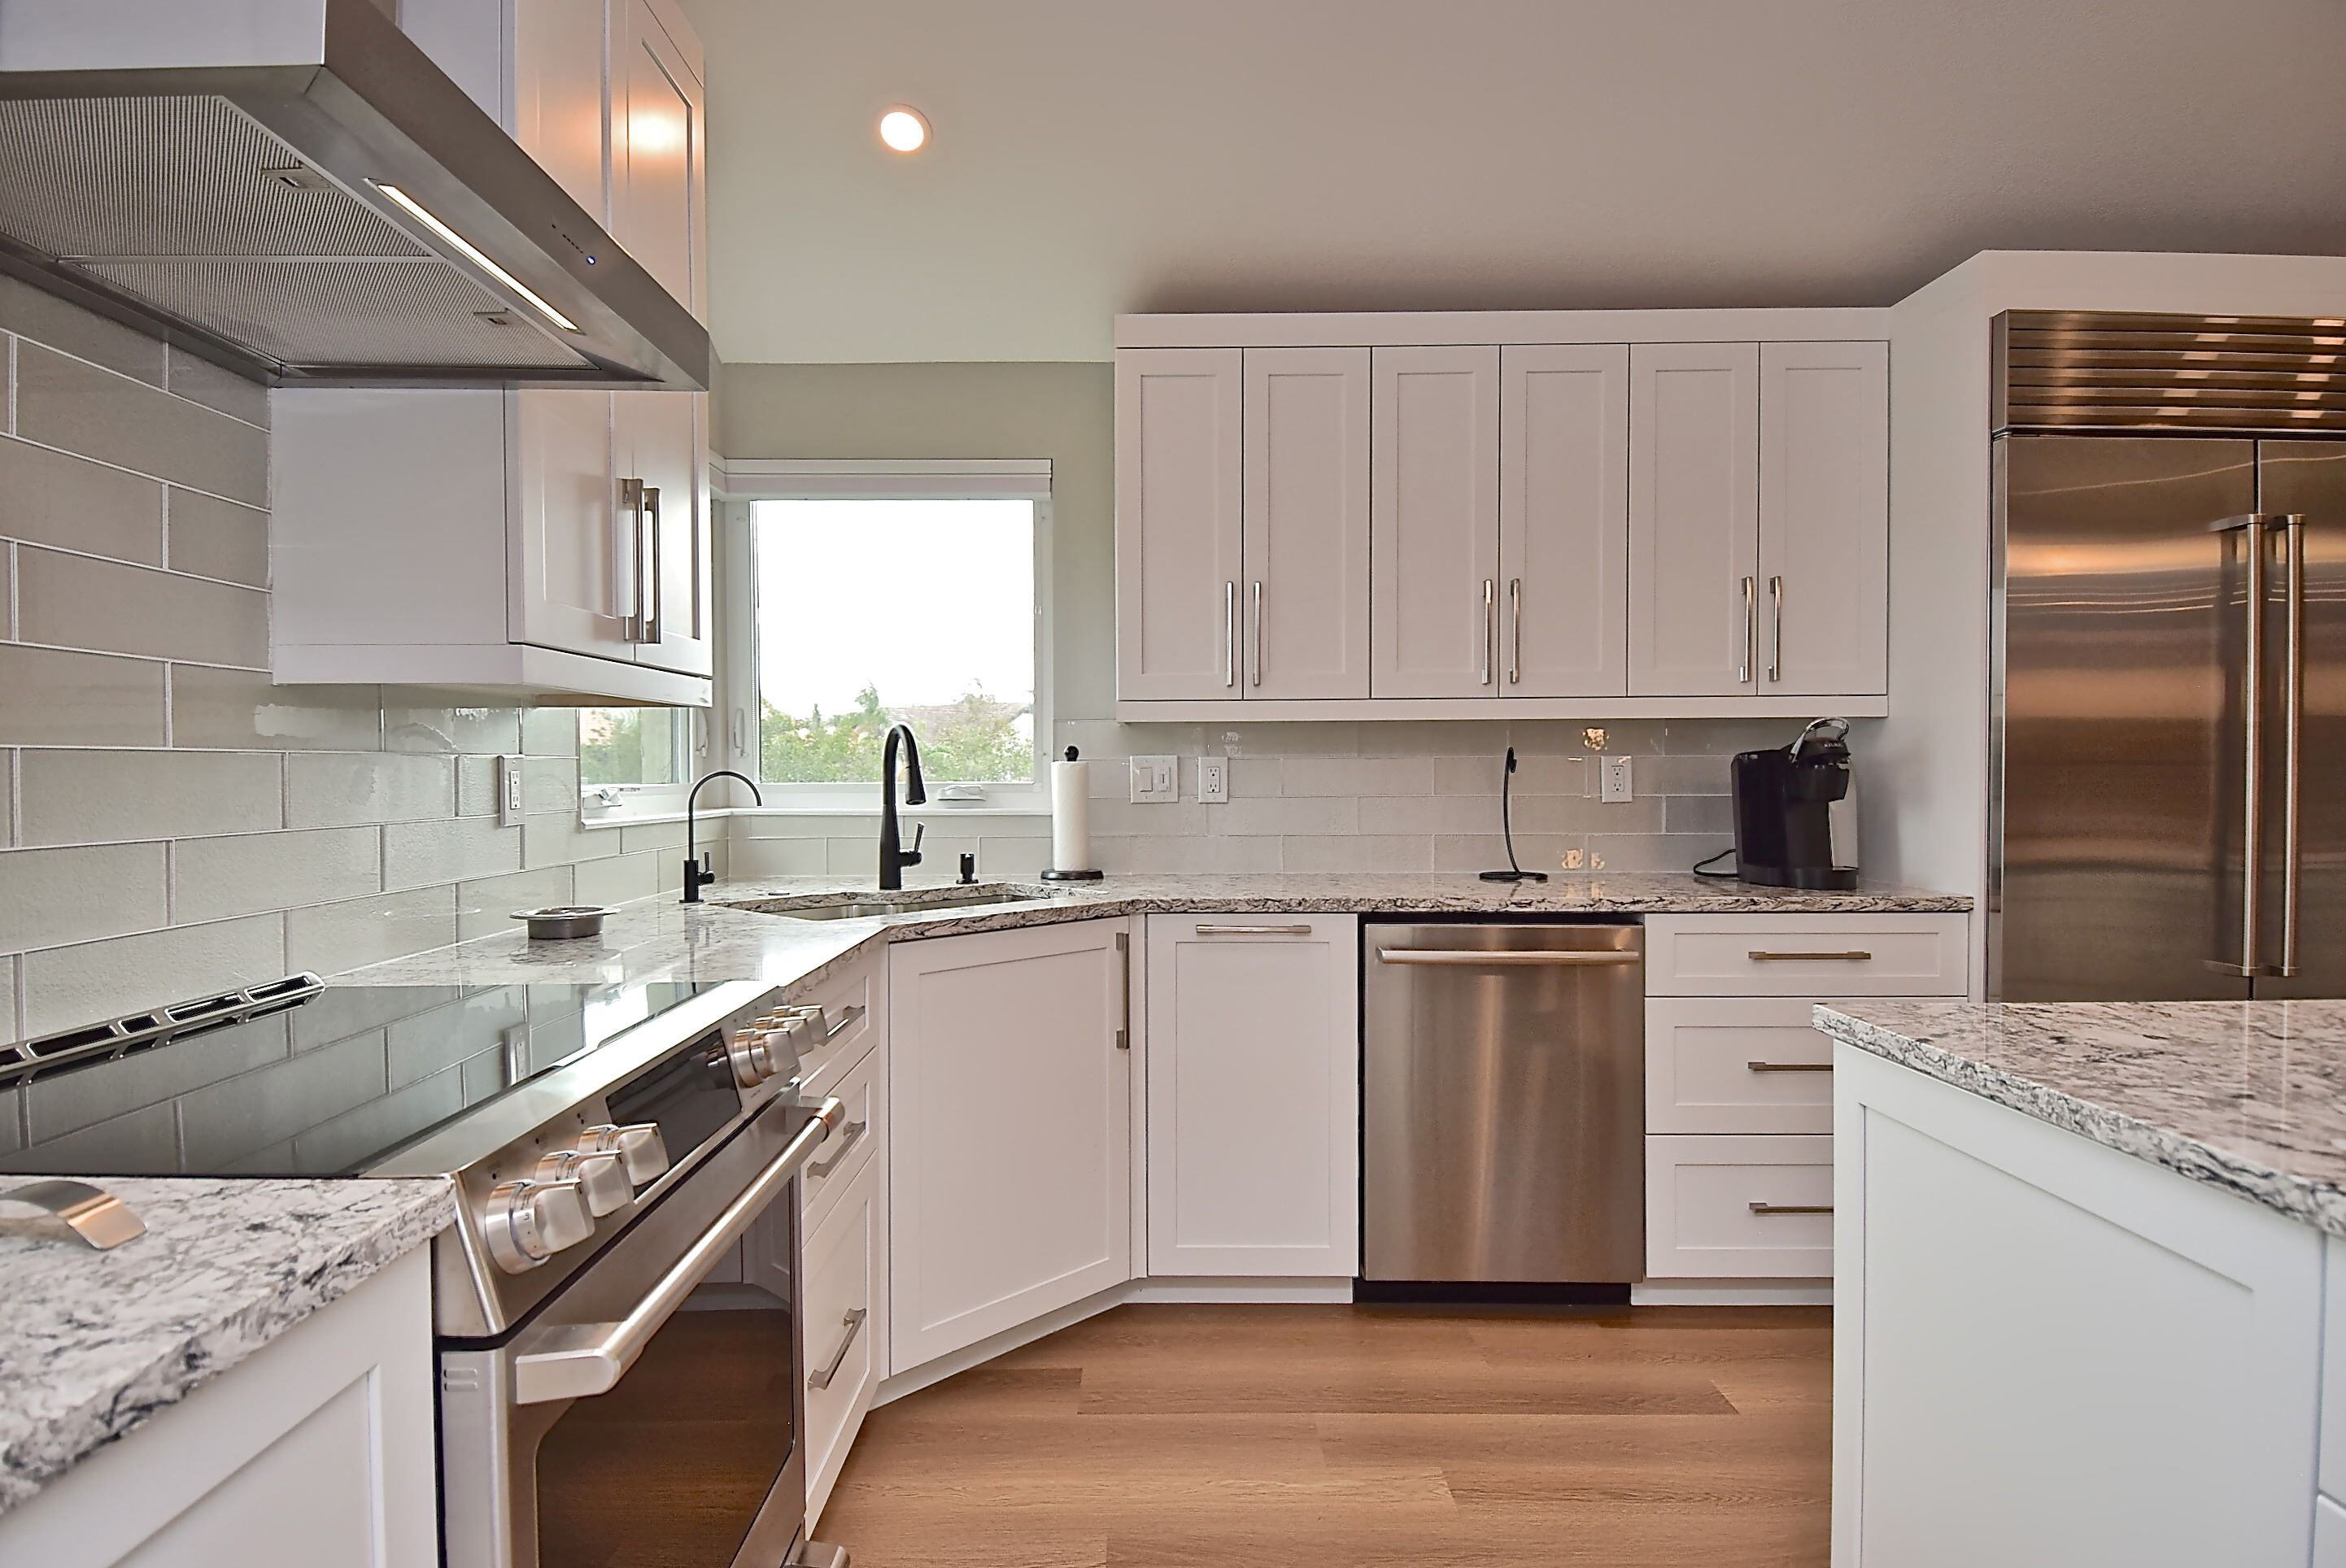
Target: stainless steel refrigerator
x=2167, y=757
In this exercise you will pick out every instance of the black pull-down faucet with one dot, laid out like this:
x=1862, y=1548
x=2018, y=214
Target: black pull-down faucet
x=893, y=856
x=696, y=874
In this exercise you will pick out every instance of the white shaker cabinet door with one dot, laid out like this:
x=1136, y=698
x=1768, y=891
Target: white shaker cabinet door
x=1306, y=610
x=1254, y=1159
x=1010, y=1166
x=1564, y=520
x=1433, y=564
x=1694, y=531
x=660, y=439
x=1177, y=529
x=1825, y=518
x=658, y=126
x=571, y=555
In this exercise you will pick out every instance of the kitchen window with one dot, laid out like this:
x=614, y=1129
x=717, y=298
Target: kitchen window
x=881, y=594
x=633, y=761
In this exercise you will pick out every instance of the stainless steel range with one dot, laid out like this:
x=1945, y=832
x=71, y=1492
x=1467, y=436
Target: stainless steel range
x=622, y=1373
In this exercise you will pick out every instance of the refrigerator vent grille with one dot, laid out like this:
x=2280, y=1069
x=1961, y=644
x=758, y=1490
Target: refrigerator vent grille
x=2085, y=371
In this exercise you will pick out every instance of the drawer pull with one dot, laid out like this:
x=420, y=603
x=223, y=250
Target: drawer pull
x=848, y=1018
x=1790, y=1067
x=854, y=1131
x=821, y=1376
x=1853, y=957
x=1766, y=1208
x=1254, y=931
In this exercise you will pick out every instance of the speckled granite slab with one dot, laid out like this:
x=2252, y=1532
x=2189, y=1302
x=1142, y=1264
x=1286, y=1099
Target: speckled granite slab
x=93, y=1343
x=737, y=936
x=2249, y=1097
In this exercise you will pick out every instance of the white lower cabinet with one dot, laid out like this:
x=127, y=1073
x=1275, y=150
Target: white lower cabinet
x=1010, y=1092
x=316, y=1452
x=1723, y=1208
x=1254, y=1095
x=846, y=1317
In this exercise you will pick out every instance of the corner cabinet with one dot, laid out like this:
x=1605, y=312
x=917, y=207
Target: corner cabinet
x=1010, y=1098
x=539, y=541
x=1503, y=515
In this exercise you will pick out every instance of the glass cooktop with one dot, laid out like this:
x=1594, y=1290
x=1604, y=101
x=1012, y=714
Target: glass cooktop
x=327, y=1086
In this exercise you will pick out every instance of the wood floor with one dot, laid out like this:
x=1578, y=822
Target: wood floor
x=1358, y=1437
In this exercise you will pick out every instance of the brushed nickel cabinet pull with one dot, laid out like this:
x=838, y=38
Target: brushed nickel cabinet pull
x=1776, y=644
x=1858, y=956
x=1774, y=1208
x=1750, y=631
x=854, y=1131
x=1124, y=984
x=820, y=1378
x=1490, y=624
x=1229, y=633
x=1254, y=931
x=1516, y=631
x=1258, y=632
x=1788, y=1066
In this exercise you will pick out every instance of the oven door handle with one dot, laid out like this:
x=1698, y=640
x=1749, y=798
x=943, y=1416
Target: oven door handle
x=573, y=1361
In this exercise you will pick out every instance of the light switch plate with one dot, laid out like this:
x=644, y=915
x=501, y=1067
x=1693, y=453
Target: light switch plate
x=509, y=809
x=1155, y=780
x=1613, y=779
x=1213, y=780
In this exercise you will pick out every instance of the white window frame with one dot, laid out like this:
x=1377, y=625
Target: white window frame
x=741, y=483
x=636, y=803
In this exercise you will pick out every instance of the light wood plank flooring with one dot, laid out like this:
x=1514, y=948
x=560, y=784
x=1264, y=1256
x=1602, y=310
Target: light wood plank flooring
x=1359, y=1437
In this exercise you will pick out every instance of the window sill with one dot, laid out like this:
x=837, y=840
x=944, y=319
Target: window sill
x=928, y=813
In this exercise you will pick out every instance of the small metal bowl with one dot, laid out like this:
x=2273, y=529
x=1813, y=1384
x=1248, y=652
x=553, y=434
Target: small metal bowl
x=560, y=921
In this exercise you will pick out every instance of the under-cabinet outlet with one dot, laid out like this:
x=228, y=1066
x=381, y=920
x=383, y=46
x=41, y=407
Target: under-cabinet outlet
x=1613, y=782
x=1155, y=780
x=509, y=797
x=1213, y=780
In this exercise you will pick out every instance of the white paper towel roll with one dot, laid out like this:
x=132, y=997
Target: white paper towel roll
x=1071, y=817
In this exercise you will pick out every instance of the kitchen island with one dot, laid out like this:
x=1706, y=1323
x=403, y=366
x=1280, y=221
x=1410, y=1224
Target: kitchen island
x=2087, y=1259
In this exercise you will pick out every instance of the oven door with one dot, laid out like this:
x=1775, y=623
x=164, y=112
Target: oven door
x=649, y=1414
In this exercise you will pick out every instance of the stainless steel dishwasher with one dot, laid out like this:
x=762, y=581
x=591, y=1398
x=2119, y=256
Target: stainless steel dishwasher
x=1503, y=1102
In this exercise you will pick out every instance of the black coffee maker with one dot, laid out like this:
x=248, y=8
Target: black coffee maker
x=1796, y=812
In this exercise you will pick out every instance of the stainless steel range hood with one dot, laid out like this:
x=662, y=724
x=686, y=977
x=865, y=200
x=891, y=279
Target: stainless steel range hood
x=294, y=189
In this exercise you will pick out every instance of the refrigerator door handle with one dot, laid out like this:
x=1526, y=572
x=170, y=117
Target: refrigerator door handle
x=2251, y=527
x=2293, y=747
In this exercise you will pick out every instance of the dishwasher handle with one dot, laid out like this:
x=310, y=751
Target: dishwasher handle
x=1519, y=958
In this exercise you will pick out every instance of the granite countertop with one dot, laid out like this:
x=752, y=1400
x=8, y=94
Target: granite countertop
x=736, y=936
x=93, y=1343
x=2248, y=1097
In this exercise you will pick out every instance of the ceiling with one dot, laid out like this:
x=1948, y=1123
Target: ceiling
x=1098, y=155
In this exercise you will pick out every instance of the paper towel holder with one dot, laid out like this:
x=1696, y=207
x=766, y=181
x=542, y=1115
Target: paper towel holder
x=1058, y=874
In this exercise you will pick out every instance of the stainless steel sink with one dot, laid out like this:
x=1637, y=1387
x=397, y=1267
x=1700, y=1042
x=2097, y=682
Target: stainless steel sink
x=868, y=906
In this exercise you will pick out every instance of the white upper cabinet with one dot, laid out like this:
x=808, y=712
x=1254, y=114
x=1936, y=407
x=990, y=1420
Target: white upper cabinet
x=1306, y=549
x=565, y=535
x=1694, y=531
x=1697, y=524
x=1434, y=551
x=1824, y=517
x=1177, y=509
x=1564, y=519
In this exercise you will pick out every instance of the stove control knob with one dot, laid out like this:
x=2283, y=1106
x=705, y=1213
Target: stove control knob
x=601, y=1175
x=638, y=1144
x=750, y=1056
x=526, y=1222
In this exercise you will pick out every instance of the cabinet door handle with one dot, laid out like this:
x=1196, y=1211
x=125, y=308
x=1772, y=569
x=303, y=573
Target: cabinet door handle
x=1854, y=956
x=854, y=1131
x=1254, y=931
x=1516, y=631
x=1751, y=630
x=1490, y=624
x=649, y=577
x=1231, y=633
x=1770, y=1209
x=1124, y=1016
x=1776, y=643
x=631, y=507
x=1788, y=1066
x=854, y=1323
x=1257, y=631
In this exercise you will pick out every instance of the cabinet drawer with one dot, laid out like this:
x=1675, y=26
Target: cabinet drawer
x=1806, y=955
x=851, y=1020
x=863, y=1090
x=845, y=1302
x=1723, y=1208
x=1736, y=1064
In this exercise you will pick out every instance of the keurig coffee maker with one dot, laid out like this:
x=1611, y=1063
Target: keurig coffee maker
x=1796, y=812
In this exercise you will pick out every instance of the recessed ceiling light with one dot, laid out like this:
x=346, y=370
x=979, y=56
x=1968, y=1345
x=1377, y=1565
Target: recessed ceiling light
x=905, y=129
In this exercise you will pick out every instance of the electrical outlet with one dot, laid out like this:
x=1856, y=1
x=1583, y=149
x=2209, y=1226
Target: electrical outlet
x=1213, y=780
x=1613, y=778
x=1155, y=780
x=509, y=800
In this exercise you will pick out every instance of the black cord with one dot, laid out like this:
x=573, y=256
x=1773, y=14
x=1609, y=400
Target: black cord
x=1515, y=872
x=1720, y=876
